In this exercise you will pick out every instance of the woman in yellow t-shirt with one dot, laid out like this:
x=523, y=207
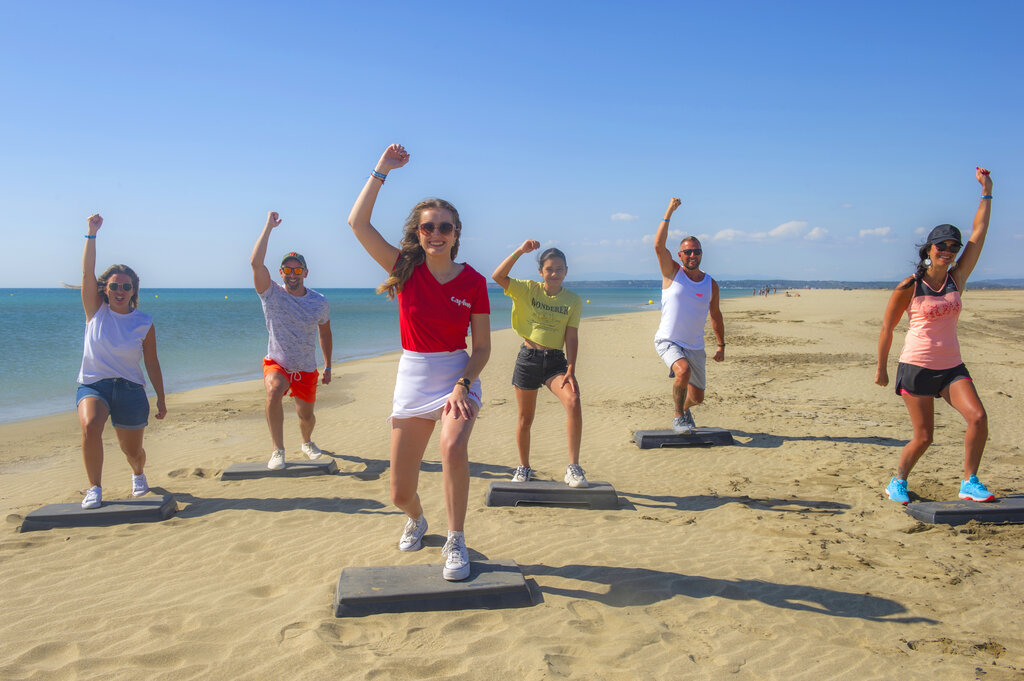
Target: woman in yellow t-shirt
x=547, y=317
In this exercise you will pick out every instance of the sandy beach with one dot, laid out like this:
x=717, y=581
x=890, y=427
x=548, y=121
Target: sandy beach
x=776, y=558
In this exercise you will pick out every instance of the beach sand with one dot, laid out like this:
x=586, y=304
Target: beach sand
x=777, y=558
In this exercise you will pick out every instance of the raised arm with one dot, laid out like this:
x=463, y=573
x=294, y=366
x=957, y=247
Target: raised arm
x=91, y=299
x=260, y=274
x=898, y=302
x=717, y=322
x=377, y=246
x=668, y=266
x=972, y=249
x=500, y=275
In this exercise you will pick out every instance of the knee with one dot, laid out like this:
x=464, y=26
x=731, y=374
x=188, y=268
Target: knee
x=401, y=497
x=454, y=452
x=682, y=378
x=525, y=420
x=697, y=399
x=572, y=403
x=92, y=427
x=923, y=439
x=977, y=418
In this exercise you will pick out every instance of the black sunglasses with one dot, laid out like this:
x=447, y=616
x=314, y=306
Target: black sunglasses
x=113, y=285
x=952, y=248
x=692, y=251
x=429, y=228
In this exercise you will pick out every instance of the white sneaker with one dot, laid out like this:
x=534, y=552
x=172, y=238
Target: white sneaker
x=456, y=566
x=311, y=450
x=574, y=476
x=93, y=498
x=522, y=474
x=276, y=462
x=412, y=535
x=139, y=485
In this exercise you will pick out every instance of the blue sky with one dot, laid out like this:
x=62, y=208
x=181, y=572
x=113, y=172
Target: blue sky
x=807, y=140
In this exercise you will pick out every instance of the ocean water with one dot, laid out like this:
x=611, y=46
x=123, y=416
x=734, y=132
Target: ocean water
x=210, y=336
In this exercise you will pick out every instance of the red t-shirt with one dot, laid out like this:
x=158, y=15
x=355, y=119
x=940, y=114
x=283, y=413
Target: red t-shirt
x=434, y=317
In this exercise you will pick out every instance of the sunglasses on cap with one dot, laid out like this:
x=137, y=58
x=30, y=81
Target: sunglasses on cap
x=114, y=286
x=293, y=270
x=951, y=248
x=444, y=228
x=692, y=251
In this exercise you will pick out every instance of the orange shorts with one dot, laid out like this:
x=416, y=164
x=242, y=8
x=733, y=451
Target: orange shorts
x=302, y=384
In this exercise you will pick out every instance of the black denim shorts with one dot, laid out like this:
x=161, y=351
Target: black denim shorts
x=535, y=367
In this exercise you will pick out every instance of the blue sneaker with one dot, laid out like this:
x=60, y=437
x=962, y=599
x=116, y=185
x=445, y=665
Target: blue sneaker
x=897, y=491
x=975, y=491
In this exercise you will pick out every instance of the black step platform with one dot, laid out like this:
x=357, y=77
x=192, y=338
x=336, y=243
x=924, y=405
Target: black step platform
x=701, y=437
x=292, y=469
x=1003, y=510
x=147, y=510
x=551, y=493
x=417, y=588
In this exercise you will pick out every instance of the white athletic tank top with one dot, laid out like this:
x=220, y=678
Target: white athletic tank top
x=113, y=346
x=684, y=311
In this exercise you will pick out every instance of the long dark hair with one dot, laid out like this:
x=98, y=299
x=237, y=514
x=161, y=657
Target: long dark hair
x=412, y=253
x=101, y=284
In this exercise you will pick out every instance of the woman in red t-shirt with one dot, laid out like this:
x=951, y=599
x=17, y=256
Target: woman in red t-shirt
x=438, y=300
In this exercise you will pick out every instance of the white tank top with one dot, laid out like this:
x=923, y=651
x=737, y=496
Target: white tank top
x=113, y=346
x=684, y=311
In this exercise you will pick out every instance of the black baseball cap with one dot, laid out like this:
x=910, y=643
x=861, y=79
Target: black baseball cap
x=937, y=235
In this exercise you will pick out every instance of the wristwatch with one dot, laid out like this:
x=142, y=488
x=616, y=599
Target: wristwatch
x=464, y=382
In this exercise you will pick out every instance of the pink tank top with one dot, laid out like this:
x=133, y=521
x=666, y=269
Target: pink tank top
x=931, y=339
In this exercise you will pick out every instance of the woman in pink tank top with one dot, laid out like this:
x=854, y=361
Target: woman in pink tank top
x=930, y=364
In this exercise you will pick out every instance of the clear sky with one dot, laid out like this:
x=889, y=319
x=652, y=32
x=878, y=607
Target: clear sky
x=807, y=140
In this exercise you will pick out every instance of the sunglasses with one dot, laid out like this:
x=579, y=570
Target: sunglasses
x=444, y=228
x=292, y=270
x=692, y=251
x=952, y=248
x=114, y=286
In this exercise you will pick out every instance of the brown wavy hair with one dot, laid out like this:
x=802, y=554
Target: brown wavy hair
x=101, y=284
x=412, y=254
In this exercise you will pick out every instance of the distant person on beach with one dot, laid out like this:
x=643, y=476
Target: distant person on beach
x=930, y=365
x=117, y=338
x=438, y=300
x=547, y=317
x=688, y=296
x=296, y=316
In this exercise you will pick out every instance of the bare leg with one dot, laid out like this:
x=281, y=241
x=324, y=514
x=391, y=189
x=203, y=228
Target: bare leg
x=455, y=462
x=409, y=439
x=131, y=445
x=277, y=386
x=574, y=415
x=527, y=401
x=92, y=416
x=307, y=419
x=694, y=396
x=922, y=417
x=681, y=369
x=963, y=397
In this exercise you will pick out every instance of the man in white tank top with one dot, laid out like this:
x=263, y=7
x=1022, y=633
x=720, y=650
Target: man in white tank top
x=688, y=296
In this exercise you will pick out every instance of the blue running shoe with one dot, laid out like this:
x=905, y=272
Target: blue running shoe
x=975, y=491
x=897, y=491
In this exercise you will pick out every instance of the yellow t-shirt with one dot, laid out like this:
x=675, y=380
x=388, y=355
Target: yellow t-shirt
x=542, y=318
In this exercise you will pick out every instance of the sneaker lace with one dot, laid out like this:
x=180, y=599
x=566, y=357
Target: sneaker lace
x=454, y=544
x=575, y=470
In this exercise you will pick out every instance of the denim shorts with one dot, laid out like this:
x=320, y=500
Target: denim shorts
x=535, y=367
x=126, y=401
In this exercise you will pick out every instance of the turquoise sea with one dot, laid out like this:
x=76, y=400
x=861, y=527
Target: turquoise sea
x=209, y=336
